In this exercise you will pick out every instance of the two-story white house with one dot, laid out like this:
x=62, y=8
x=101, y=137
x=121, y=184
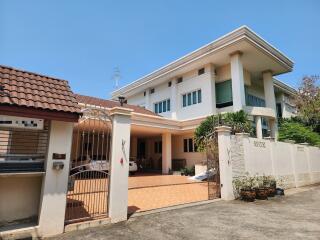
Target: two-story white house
x=236, y=71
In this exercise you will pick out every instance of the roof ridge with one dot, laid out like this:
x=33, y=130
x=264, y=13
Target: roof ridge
x=33, y=73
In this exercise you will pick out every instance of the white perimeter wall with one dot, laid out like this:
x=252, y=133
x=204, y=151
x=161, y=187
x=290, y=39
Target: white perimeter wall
x=297, y=165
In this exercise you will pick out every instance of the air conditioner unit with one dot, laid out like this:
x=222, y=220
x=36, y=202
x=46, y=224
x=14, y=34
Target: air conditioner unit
x=21, y=122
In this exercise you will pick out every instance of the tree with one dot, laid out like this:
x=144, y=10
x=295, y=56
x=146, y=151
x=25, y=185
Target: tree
x=308, y=102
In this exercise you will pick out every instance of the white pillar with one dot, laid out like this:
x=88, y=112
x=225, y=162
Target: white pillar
x=119, y=165
x=258, y=127
x=173, y=99
x=237, y=78
x=270, y=101
x=224, y=144
x=166, y=153
x=212, y=96
x=147, y=100
x=55, y=182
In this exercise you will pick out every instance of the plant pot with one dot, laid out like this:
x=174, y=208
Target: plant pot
x=262, y=193
x=279, y=191
x=271, y=192
x=248, y=195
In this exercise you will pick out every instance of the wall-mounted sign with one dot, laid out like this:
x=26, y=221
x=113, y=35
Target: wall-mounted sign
x=259, y=144
x=59, y=156
x=21, y=122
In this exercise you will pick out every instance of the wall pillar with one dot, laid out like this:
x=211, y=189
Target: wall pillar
x=173, y=99
x=224, y=144
x=119, y=164
x=166, y=153
x=147, y=100
x=270, y=100
x=237, y=79
x=213, y=89
x=55, y=182
x=258, y=120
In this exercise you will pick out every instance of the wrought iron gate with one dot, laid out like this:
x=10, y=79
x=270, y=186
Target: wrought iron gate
x=213, y=165
x=87, y=196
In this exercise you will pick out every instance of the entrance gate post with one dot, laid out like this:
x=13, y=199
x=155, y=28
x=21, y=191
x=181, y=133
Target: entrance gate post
x=119, y=164
x=224, y=145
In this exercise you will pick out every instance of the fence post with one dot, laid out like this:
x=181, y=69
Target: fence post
x=224, y=145
x=119, y=164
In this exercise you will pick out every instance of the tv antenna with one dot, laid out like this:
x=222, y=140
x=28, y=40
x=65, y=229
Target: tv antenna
x=116, y=76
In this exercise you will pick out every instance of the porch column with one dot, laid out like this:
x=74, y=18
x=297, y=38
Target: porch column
x=166, y=153
x=147, y=100
x=119, y=164
x=270, y=100
x=173, y=99
x=224, y=144
x=55, y=181
x=237, y=78
x=212, y=88
x=258, y=127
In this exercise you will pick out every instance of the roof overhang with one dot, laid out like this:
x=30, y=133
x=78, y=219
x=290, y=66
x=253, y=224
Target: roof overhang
x=258, y=56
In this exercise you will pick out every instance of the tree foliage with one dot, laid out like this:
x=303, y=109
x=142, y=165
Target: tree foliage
x=205, y=133
x=293, y=129
x=308, y=102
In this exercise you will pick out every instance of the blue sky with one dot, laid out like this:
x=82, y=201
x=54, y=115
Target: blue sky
x=83, y=41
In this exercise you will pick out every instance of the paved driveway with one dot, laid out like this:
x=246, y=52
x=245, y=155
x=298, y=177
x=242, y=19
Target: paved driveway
x=291, y=217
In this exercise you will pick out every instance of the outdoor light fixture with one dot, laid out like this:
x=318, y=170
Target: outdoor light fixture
x=57, y=166
x=121, y=100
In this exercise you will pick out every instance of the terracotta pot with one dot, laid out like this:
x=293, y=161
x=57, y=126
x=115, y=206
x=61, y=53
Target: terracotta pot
x=248, y=195
x=271, y=191
x=262, y=193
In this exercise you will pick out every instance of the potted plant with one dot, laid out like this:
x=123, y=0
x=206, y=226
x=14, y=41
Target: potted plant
x=269, y=183
x=244, y=186
x=262, y=191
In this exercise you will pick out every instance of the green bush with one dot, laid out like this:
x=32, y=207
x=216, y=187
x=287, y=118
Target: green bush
x=296, y=131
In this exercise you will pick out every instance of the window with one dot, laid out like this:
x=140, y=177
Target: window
x=189, y=145
x=151, y=90
x=179, y=80
x=144, y=93
x=279, y=110
x=255, y=101
x=169, y=84
x=201, y=71
x=191, y=98
x=163, y=106
x=158, y=147
x=224, y=94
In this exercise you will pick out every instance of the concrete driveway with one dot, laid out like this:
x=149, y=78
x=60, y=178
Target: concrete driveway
x=295, y=216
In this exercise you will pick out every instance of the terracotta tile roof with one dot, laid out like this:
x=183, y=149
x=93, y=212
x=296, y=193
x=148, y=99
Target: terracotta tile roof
x=26, y=89
x=110, y=104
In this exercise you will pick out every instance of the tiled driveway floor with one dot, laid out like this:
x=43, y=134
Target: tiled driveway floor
x=146, y=192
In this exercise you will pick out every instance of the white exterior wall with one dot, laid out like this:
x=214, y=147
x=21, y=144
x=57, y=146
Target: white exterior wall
x=138, y=100
x=192, y=158
x=19, y=198
x=296, y=165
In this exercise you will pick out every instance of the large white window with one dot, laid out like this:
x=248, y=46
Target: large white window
x=163, y=106
x=191, y=98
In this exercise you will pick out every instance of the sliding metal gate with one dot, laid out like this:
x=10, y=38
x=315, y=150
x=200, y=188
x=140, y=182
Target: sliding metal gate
x=87, y=196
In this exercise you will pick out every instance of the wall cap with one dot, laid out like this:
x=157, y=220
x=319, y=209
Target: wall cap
x=243, y=134
x=223, y=129
x=120, y=111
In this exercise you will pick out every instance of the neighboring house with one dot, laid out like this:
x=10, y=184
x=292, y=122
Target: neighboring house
x=234, y=72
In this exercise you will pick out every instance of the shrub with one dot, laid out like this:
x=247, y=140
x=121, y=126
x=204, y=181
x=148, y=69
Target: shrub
x=291, y=130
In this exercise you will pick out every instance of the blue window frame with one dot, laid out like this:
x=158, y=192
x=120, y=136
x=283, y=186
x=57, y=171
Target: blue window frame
x=191, y=98
x=163, y=106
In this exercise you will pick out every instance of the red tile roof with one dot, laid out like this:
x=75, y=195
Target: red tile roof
x=110, y=104
x=26, y=89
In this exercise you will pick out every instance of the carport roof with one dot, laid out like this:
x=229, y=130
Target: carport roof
x=94, y=101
